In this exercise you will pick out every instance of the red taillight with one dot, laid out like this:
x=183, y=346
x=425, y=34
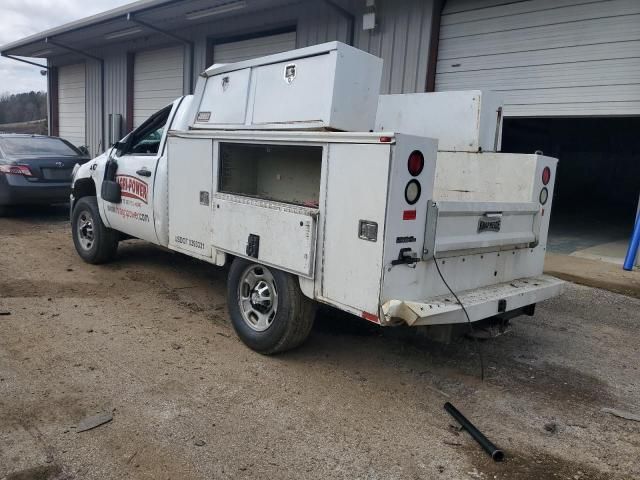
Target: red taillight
x=546, y=175
x=415, y=163
x=16, y=170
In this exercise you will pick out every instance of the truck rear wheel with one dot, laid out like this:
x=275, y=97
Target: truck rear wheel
x=94, y=242
x=268, y=311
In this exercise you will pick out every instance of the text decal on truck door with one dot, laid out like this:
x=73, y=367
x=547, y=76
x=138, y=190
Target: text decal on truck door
x=133, y=187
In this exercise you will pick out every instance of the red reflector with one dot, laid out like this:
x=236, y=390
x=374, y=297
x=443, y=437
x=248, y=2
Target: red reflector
x=370, y=317
x=385, y=139
x=415, y=163
x=409, y=215
x=546, y=175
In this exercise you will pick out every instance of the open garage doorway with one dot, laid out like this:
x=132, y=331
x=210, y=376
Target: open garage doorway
x=597, y=184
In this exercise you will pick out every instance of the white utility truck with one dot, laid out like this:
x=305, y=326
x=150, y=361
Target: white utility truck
x=275, y=167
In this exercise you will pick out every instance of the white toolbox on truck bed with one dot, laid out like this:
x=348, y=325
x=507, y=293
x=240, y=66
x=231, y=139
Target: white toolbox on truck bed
x=465, y=121
x=330, y=86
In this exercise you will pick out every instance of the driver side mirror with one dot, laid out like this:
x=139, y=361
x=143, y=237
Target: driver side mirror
x=120, y=147
x=111, y=190
x=84, y=150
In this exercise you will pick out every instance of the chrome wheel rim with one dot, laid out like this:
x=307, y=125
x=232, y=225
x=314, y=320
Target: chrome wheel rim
x=257, y=297
x=86, y=236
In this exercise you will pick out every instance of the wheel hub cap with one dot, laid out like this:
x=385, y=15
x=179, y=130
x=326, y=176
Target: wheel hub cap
x=85, y=230
x=257, y=297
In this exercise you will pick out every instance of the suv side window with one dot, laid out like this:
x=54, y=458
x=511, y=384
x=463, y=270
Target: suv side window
x=146, y=139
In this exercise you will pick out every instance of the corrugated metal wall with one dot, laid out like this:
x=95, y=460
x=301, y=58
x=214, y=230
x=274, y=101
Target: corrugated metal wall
x=402, y=40
x=548, y=57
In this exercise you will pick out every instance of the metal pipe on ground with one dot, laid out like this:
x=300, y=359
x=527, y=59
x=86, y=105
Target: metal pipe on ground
x=485, y=443
x=630, y=259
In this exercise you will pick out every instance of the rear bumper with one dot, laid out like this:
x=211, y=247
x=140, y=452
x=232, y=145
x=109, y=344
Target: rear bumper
x=17, y=190
x=480, y=303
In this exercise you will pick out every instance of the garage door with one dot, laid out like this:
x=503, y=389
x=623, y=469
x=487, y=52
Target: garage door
x=71, y=103
x=231, y=52
x=157, y=81
x=548, y=57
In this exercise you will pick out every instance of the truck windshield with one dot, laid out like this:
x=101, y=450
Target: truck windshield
x=37, y=147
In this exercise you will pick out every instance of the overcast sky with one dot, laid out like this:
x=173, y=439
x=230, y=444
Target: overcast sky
x=21, y=18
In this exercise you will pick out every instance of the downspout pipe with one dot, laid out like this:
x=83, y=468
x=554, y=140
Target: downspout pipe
x=634, y=244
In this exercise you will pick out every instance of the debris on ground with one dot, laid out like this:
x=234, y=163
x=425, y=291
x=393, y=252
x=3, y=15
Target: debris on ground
x=199, y=443
x=621, y=414
x=551, y=427
x=4, y=313
x=94, y=421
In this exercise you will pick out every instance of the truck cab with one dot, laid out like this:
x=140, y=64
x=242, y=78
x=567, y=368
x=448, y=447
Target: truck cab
x=315, y=189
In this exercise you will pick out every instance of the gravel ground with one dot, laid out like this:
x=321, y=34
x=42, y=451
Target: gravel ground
x=147, y=339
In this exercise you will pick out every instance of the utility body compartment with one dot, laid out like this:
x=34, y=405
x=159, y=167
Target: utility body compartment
x=462, y=121
x=333, y=209
x=330, y=86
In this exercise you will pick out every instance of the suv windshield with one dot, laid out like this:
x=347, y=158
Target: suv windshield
x=37, y=146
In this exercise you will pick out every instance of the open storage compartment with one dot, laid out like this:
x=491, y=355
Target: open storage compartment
x=266, y=206
x=280, y=173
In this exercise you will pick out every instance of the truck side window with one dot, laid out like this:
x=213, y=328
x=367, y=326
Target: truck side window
x=146, y=138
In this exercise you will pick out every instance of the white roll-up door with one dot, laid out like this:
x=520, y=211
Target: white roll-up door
x=71, y=103
x=547, y=57
x=158, y=77
x=232, y=52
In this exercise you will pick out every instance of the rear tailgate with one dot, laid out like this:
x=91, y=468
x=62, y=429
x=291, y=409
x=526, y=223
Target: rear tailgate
x=475, y=227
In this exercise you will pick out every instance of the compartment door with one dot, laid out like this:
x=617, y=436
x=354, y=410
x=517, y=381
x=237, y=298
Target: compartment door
x=224, y=101
x=356, y=191
x=305, y=84
x=190, y=183
x=273, y=233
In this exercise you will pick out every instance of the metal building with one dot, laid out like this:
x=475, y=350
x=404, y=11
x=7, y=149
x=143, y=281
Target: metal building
x=569, y=71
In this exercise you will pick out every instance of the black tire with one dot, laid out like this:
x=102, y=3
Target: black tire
x=291, y=321
x=104, y=244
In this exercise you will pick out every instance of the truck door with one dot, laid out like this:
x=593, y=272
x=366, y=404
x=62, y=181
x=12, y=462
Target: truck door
x=135, y=174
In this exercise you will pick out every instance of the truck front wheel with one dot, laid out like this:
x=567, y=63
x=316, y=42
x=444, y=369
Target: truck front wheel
x=268, y=311
x=94, y=242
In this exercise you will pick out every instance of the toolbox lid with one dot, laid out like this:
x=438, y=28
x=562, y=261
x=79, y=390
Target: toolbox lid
x=290, y=55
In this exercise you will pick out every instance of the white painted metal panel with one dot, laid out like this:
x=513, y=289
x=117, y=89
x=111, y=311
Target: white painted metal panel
x=72, y=103
x=190, y=192
x=232, y=52
x=331, y=86
x=357, y=183
x=457, y=227
x=547, y=57
x=158, y=81
x=225, y=97
x=308, y=97
x=467, y=121
x=287, y=232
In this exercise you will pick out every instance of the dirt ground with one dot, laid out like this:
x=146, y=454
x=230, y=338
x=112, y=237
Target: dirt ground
x=147, y=339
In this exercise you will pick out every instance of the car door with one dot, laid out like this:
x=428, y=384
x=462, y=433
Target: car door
x=136, y=171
